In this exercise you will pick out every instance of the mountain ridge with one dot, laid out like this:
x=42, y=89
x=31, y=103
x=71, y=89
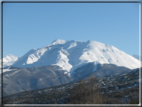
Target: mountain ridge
x=8, y=60
x=71, y=54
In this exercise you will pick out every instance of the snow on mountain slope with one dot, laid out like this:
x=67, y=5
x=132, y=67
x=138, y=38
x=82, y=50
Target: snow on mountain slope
x=8, y=60
x=7, y=70
x=72, y=54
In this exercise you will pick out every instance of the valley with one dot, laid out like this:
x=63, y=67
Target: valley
x=114, y=89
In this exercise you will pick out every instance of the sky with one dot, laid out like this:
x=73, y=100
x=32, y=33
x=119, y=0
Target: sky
x=35, y=25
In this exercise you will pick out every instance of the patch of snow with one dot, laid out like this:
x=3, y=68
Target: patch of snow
x=103, y=83
x=8, y=60
x=72, y=45
x=58, y=41
x=7, y=70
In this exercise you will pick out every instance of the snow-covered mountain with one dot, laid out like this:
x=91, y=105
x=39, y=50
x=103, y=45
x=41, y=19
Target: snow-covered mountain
x=8, y=60
x=70, y=55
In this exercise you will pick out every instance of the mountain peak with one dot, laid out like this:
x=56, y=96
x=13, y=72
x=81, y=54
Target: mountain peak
x=9, y=60
x=10, y=55
x=58, y=41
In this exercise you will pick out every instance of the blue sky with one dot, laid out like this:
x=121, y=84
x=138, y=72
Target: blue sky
x=35, y=25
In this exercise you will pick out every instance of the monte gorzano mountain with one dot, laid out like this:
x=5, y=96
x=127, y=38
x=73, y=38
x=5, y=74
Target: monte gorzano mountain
x=70, y=55
x=62, y=62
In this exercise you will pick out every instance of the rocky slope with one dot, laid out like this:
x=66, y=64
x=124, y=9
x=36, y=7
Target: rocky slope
x=24, y=79
x=118, y=89
x=19, y=80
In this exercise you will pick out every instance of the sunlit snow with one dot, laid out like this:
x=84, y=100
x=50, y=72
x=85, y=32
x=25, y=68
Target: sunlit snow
x=70, y=55
x=8, y=60
x=6, y=70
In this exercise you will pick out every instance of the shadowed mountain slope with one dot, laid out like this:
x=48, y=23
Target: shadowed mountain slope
x=19, y=80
